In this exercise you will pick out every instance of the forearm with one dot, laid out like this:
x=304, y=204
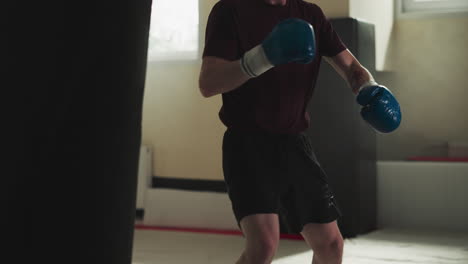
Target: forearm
x=220, y=76
x=358, y=76
x=349, y=68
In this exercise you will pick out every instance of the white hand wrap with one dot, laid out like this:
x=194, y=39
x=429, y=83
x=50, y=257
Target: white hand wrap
x=255, y=62
x=369, y=83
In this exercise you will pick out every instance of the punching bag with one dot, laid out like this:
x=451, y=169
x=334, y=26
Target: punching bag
x=77, y=70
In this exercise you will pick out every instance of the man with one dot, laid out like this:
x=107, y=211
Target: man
x=263, y=56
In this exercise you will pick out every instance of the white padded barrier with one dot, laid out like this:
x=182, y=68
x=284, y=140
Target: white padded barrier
x=410, y=194
x=423, y=195
x=179, y=208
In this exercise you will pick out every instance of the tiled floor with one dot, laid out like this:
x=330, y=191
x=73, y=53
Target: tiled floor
x=384, y=246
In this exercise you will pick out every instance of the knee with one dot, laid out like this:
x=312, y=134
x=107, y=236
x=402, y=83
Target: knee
x=267, y=247
x=331, y=246
x=262, y=250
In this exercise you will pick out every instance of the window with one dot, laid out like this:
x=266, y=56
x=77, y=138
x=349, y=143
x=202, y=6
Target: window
x=173, y=30
x=434, y=6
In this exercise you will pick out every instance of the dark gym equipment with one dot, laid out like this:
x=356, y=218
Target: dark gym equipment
x=76, y=72
x=345, y=145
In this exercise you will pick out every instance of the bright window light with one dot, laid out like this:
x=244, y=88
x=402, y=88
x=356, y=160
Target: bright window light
x=173, y=30
x=434, y=6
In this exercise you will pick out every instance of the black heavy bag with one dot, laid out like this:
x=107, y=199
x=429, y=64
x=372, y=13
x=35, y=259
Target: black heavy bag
x=76, y=72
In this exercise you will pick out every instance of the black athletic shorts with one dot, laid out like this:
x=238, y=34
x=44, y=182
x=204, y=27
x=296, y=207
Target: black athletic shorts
x=277, y=173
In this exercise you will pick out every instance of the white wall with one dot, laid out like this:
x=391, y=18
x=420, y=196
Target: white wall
x=333, y=8
x=379, y=13
x=430, y=62
x=180, y=125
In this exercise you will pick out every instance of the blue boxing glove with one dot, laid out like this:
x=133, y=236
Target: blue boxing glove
x=292, y=40
x=380, y=108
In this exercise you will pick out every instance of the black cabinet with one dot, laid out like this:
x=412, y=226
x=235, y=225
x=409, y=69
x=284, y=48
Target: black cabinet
x=345, y=145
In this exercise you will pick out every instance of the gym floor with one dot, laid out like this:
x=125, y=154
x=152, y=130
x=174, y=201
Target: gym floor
x=379, y=247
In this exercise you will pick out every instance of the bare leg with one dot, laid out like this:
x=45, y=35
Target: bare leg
x=326, y=242
x=262, y=237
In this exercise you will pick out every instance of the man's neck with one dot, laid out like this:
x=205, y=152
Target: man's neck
x=276, y=2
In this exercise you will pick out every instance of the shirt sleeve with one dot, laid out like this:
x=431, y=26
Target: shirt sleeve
x=221, y=38
x=330, y=43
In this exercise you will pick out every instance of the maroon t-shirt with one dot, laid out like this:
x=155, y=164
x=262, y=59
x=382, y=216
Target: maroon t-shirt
x=276, y=101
